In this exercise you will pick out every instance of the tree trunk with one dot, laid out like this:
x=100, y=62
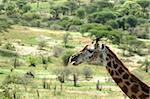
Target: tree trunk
x=146, y=69
x=75, y=80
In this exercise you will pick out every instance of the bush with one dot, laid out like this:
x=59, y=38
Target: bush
x=16, y=79
x=30, y=16
x=42, y=44
x=56, y=27
x=74, y=28
x=113, y=23
x=87, y=72
x=66, y=57
x=57, y=51
x=35, y=23
x=101, y=17
x=32, y=61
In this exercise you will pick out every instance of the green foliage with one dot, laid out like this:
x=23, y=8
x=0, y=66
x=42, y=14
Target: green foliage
x=66, y=39
x=81, y=12
x=16, y=79
x=30, y=16
x=32, y=61
x=5, y=23
x=66, y=56
x=87, y=72
x=130, y=8
x=131, y=21
x=56, y=27
x=101, y=17
x=144, y=3
x=113, y=23
x=57, y=51
x=66, y=22
x=142, y=31
x=146, y=64
x=42, y=44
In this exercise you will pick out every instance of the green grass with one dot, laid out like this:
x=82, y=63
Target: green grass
x=85, y=89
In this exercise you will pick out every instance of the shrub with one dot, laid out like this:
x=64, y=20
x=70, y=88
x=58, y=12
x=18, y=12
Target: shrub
x=57, y=51
x=56, y=27
x=101, y=17
x=113, y=23
x=35, y=23
x=32, y=61
x=16, y=79
x=66, y=39
x=30, y=16
x=42, y=44
x=74, y=28
x=66, y=57
x=87, y=72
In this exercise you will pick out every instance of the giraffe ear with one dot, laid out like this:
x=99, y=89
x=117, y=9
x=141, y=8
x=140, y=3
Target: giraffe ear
x=97, y=39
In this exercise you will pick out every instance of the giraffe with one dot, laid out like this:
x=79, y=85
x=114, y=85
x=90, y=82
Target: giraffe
x=129, y=84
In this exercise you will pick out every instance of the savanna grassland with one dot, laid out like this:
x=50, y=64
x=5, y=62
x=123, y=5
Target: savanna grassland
x=37, y=37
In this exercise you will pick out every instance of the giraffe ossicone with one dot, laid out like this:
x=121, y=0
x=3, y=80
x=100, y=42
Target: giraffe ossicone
x=129, y=84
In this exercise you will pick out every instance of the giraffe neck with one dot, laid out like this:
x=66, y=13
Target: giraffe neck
x=129, y=84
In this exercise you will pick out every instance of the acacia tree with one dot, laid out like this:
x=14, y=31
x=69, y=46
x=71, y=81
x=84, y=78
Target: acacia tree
x=66, y=39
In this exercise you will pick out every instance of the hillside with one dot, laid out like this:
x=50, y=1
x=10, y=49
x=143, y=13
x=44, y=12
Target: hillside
x=28, y=45
x=37, y=37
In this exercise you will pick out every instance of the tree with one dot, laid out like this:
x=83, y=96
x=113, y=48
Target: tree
x=55, y=10
x=65, y=39
x=130, y=8
x=144, y=3
x=80, y=12
x=65, y=57
x=132, y=21
x=75, y=74
x=101, y=17
x=87, y=72
x=72, y=5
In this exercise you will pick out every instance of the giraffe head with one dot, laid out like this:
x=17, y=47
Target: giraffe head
x=89, y=53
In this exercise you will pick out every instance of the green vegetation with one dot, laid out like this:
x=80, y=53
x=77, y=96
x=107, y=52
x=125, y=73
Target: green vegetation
x=37, y=37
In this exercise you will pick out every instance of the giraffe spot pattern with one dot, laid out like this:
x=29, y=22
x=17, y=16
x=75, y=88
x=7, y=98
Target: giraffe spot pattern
x=143, y=96
x=112, y=73
x=109, y=56
x=127, y=83
x=145, y=89
x=115, y=66
x=116, y=73
x=132, y=80
x=120, y=70
x=135, y=88
x=117, y=80
x=125, y=76
x=133, y=97
x=124, y=89
x=109, y=64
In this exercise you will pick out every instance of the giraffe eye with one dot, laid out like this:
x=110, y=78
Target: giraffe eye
x=90, y=50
